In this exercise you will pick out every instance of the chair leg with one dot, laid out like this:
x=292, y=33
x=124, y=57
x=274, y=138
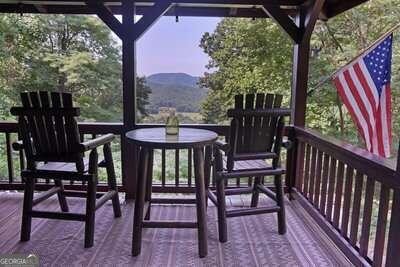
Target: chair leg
x=27, y=208
x=281, y=204
x=222, y=226
x=112, y=183
x=256, y=193
x=90, y=212
x=61, y=197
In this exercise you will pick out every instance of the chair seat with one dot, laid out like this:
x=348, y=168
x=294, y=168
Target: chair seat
x=246, y=168
x=58, y=170
x=62, y=166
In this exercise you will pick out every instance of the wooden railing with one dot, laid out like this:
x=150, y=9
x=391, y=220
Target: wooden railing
x=170, y=174
x=351, y=193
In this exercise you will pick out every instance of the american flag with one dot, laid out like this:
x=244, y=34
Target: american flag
x=364, y=87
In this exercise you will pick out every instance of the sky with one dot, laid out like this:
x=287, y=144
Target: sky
x=169, y=46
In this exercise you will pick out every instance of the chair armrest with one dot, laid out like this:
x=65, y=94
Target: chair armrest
x=222, y=145
x=18, y=145
x=94, y=143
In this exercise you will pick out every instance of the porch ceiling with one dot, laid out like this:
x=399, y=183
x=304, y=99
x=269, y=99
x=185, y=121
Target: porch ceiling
x=201, y=8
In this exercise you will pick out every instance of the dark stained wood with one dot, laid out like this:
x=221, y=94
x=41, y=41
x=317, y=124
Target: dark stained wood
x=355, y=217
x=201, y=199
x=379, y=246
x=332, y=232
x=300, y=166
x=256, y=132
x=338, y=194
x=331, y=189
x=366, y=217
x=163, y=159
x=381, y=169
x=10, y=163
x=306, y=170
x=312, y=174
x=176, y=167
x=106, y=15
x=317, y=189
x=54, y=151
x=157, y=139
x=394, y=233
x=140, y=202
x=189, y=173
x=301, y=51
x=324, y=184
x=348, y=190
x=187, y=139
x=149, y=18
x=284, y=21
x=129, y=152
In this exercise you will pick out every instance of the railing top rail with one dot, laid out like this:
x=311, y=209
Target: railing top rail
x=381, y=169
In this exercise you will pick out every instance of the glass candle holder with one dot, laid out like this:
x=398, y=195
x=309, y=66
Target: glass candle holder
x=172, y=124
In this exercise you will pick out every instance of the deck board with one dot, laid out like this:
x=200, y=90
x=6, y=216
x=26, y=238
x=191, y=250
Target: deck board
x=252, y=240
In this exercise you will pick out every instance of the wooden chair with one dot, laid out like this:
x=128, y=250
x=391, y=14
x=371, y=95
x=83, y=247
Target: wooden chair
x=53, y=149
x=255, y=136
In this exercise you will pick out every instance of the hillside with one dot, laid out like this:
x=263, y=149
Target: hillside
x=177, y=90
x=174, y=78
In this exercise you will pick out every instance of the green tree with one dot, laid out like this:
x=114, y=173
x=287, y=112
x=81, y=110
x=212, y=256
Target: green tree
x=76, y=54
x=246, y=56
x=255, y=56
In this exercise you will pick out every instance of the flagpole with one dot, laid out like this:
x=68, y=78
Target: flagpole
x=362, y=53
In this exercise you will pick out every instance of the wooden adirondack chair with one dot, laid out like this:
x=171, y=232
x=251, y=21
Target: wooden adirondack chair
x=53, y=149
x=255, y=136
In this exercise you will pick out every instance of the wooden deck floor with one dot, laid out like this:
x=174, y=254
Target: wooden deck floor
x=253, y=240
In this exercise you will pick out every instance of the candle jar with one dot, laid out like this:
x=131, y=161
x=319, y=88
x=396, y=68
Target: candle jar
x=172, y=124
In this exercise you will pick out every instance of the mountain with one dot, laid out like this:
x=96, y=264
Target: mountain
x=174, y=78
x=178, y=90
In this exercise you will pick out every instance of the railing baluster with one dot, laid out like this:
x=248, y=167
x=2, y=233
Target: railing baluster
x=307, y=170
x=318, y=179
x=324, y=186
x=347, y=200
x=163, y=167
x=381, y=225
x=338, y=194
x=189, y=167
x=331, y=188
x=176, y=167
x=393, y=246
x=300, y=166
x=10, y=164
x=367, y=214
x=355, y=217
x=312, y=174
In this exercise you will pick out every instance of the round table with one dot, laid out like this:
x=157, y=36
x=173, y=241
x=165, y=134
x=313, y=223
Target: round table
x=149, y=139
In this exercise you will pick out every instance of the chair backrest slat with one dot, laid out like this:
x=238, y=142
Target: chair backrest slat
x=51, y=132
x=256, y=128
x=49, y=128
x=59, y=124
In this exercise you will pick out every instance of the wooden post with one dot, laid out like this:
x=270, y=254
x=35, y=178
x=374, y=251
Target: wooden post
x=301, y=52
x=393, y=246
x=129, y=155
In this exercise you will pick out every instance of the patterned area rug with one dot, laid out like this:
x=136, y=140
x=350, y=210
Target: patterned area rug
x=252, y=240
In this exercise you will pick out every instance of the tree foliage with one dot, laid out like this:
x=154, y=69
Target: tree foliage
x=255, y=56
x=76, y=54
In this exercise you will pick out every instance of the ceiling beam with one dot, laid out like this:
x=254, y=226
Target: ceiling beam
x=107, y=17
x=311, y=19
x=150, y=17
x=284, y=21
